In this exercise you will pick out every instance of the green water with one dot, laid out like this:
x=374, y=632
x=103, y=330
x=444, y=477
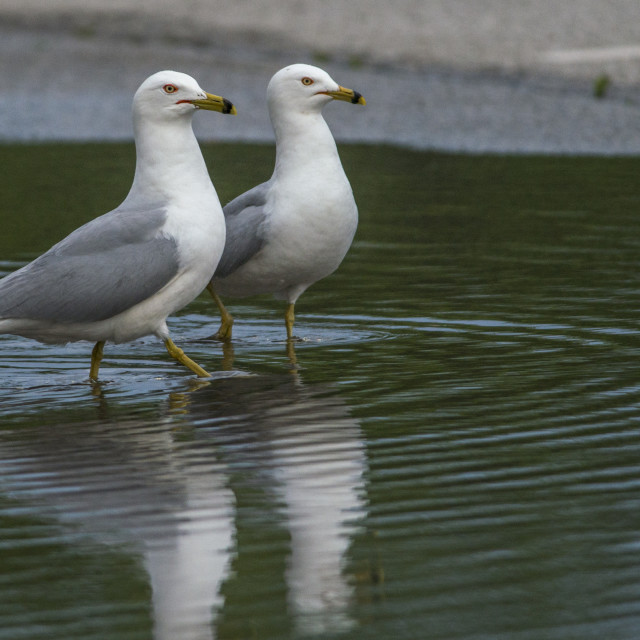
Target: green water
x=457, y=455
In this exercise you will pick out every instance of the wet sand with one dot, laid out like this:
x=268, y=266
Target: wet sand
x=455, y=75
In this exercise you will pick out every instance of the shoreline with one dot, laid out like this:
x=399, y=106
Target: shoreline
x=72, y=79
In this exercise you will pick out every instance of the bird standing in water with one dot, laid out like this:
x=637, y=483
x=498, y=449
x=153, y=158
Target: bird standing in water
x=291, y=231
x=118, y=277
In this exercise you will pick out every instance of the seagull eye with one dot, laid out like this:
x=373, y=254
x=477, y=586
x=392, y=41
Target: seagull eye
x=170, y=88
x=307, y=81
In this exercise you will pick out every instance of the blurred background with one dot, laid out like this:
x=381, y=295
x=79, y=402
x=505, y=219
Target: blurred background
x=465, y=75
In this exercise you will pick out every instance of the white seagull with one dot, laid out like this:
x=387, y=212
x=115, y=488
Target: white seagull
x=291, y=231
x=118, y=277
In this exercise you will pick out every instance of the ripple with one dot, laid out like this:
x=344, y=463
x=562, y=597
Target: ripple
x=455, y=453
x=309, y=330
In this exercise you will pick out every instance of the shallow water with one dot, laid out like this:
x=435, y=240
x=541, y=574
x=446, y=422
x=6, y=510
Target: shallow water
x=452, y=449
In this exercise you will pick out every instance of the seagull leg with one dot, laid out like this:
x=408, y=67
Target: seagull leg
x=224, y=332
x=179, y=355
x=227, y=356
x=288, y=320
x=291, y=355
x=96, y=358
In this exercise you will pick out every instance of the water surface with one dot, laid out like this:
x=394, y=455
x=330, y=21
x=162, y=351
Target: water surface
x=451, y=450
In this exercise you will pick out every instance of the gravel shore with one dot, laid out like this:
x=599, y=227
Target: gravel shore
x=544, y=76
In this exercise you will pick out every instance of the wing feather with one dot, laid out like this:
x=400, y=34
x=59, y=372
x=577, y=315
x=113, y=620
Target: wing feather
x=245, y=219
x=100, y=270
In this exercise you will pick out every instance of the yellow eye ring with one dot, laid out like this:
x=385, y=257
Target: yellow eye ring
x=307, y=81
x=170, y=88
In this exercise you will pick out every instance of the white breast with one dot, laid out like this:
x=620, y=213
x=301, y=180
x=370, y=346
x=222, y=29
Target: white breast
x=309, y=229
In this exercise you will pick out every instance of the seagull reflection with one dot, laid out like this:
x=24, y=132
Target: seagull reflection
x=302, y=441
x=319, y=463
x=132, y=484
x=162, y=486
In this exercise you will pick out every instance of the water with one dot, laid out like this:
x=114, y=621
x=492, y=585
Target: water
x=451, y=451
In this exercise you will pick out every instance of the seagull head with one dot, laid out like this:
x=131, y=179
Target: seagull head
x=170, y=94
x=306, y=88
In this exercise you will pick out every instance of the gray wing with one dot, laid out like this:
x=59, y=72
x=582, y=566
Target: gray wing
x=101, y=269
x=244, y=217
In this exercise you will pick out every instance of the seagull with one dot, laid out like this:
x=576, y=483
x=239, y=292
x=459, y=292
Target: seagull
x=119, y=276
x=289, y=232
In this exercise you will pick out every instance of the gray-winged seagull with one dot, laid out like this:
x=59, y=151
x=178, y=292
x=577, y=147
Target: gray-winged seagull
x=294, y=229
x=118, y=277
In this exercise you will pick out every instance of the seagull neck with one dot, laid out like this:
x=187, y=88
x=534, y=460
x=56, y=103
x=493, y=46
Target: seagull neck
x=168, y=161
x=303, y=139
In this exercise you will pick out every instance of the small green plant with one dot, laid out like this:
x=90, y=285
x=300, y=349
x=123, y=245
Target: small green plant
x=601, y=85
x=321, y=57
x=356, y=61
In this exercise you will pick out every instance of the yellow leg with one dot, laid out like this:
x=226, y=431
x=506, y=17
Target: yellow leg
x=179, y=355
x=288, y=320
x=291, y=354
x=96, y=358
x=227, y=356
x=224, y=332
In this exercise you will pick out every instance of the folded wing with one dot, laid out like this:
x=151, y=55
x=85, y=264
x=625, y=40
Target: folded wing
x=245, y=218
x=100, y=270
